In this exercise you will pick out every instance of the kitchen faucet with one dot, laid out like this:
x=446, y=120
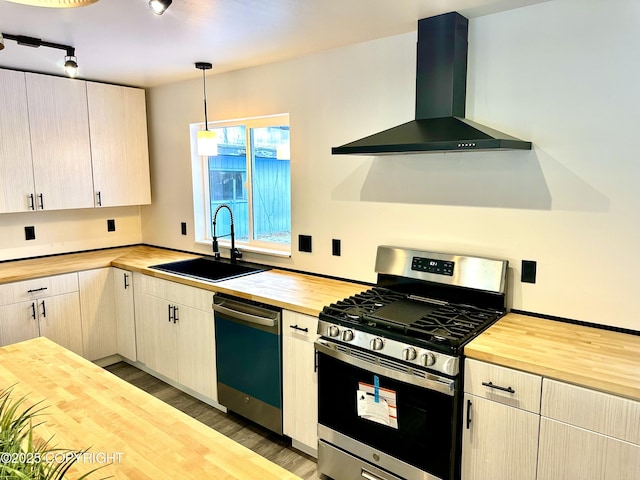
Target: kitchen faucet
x=235, y=253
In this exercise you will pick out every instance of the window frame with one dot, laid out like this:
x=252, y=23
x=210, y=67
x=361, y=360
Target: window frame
x=201, y=193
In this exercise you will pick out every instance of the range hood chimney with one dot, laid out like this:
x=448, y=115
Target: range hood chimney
x=441, y=84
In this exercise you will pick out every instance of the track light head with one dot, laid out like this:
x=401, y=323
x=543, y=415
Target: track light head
x=1, y=41
x=71, y=66
x=159, y=6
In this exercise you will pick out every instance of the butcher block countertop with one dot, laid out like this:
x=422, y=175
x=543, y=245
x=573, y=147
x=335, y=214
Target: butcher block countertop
x=88, y=407
x=590, y=357
x=294, y=291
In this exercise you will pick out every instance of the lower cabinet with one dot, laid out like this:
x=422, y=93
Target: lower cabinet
x=587, y=435
x=500, y=423
x=175, y=334
x=300, y=381
x=123, y=281
x=519, y=425
x=97, y=304
x=500, y=442
x=48, y=307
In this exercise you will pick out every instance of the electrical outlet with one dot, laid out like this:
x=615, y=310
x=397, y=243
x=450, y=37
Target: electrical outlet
x=29, y=233
x=528, y=274
x=304, y=243
x=335, y=247
x=183, y=228
x=111, y=225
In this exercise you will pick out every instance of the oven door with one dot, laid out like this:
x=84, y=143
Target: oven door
x=382, y=419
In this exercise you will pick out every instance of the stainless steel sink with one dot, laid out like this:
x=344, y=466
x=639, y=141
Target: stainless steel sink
x=208, y=269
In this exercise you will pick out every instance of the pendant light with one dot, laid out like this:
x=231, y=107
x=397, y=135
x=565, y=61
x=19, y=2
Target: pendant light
x=207, y=143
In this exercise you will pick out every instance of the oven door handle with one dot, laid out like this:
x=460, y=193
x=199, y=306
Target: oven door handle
x=430, y=381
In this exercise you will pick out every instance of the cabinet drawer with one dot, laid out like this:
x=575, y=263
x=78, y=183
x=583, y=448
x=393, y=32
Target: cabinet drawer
x=38, y=288
x=300, y=326
x=504, y=385
x=596, y=411
x=177, y=293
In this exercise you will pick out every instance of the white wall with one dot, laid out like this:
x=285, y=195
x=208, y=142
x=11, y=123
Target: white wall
x=65, y=231
x=561, y=74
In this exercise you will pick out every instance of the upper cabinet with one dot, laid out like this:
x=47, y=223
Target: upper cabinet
x=16, y=169
x=68, y=143
x=60, y=144
x=118, y=125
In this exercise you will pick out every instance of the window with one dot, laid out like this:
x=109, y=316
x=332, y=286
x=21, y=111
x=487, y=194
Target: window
x=250, y=174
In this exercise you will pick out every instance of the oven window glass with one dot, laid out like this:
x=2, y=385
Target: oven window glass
x=426, y=419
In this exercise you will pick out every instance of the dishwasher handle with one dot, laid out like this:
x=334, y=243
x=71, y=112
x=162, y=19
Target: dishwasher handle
x=256, y=315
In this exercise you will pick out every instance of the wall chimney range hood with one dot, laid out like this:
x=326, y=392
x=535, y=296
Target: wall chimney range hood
x=441, y=83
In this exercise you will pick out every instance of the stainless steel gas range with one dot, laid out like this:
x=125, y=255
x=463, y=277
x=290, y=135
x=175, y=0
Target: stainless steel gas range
x=389, y=365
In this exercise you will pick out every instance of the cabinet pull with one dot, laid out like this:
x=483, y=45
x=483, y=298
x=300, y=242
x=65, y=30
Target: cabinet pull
x=99, y=195
x=33, y=310
x=296, y=327
x=469, y=413
x=126, y=284
x=36, y=290
x=175, y=314
x=498, y=387
x=315, y=361
x=41, y=203
x=44, y=310
x=170, y=316
x=32, y=203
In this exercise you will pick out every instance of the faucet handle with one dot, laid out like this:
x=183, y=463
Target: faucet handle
x=237, y=253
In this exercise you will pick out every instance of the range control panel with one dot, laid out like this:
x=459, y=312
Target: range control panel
x=429, y=265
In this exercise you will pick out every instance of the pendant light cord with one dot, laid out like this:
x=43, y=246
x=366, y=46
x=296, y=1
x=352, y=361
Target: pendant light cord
x=204, y=90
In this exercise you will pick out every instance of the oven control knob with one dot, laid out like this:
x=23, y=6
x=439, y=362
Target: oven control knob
x=409, y=354
x=347, y=335
x=428, y=359
x=334, y=331
x=377, y=344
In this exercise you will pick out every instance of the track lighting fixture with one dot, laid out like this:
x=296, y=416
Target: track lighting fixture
x=55, y=3
x=207, y=143
x=70, y=60
x=159, y=6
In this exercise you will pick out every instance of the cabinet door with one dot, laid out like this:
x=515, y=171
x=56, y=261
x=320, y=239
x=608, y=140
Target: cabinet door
x=125, y=313
x=499, y=443
x=120, y=156
x=196, y=351
x=16, y=168
x=59, y=130
x=300, y=391
x=158, y=335
x=568, y=453
x=97, y=304
x=18, y=322
x=60, y=320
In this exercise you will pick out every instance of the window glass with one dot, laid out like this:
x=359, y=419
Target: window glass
x=250, y=174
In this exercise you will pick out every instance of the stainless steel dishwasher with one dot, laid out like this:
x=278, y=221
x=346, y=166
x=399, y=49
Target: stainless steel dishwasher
x=249, y=359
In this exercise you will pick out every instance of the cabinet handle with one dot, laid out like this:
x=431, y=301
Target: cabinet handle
x=315, y=361
x=41, y=203
x=44, y=310
x=498, y=387
x=175, y=314
x=99, y=195
x=126, y=277
x=296, y=327
x=469, y=413
x=170, y=317
x=36, y=290
x=33, y=310
x=32, y=203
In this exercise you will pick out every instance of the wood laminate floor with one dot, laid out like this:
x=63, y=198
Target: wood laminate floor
x=262, y=441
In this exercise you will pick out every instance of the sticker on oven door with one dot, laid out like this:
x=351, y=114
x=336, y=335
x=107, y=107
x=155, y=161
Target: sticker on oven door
x=377, y=404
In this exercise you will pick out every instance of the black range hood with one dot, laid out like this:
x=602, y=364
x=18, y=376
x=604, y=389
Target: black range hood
x=441, y=84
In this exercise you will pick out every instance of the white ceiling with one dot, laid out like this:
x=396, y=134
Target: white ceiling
x=122, y=41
